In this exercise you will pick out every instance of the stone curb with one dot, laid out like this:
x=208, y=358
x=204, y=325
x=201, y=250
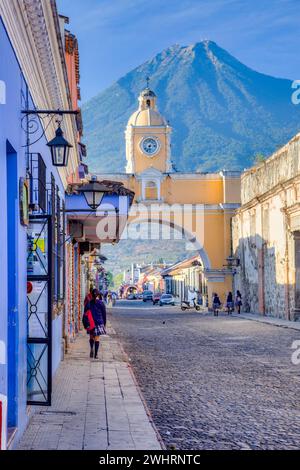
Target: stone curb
x=269, y=321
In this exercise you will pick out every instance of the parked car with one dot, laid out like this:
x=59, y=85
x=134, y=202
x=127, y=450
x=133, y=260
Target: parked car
x=140, y=296
x=156, y=298
x=147, y=295
x=167, y=299
x=131, y=297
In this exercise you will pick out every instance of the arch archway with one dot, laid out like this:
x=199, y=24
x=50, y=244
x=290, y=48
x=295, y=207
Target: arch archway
x=188, y=236
x=130, y=289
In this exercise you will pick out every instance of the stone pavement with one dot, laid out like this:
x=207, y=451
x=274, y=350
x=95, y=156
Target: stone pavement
x=96, y=405
x=221, y=383
x=269, y=320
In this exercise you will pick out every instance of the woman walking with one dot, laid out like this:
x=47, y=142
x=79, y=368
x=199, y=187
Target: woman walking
x=238, y=301
x=229, y=303
x=98, y=311
x=216, y=305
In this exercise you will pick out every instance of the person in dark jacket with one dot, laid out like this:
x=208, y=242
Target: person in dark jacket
x=229, y=303
x=98, y=309
x=238, y=301
x=88, y=296
x=216, y=304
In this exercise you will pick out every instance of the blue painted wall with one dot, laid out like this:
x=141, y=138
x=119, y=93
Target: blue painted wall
x=12, y=298
x=13, y=253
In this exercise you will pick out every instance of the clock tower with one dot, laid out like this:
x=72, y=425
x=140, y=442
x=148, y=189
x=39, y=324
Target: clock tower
x=147, y=138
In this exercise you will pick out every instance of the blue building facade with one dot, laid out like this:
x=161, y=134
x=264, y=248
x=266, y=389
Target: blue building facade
x=18, y=165
x=43, y=280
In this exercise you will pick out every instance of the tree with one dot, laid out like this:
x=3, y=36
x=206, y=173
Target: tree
x=110, y=279
x=118, y=280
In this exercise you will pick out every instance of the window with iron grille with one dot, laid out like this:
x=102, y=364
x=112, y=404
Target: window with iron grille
x=37, y=183
x=63, y=252
x=42, y=199
x=54, y=238
x=60, y=256
x=58, y=246
x=58, y=243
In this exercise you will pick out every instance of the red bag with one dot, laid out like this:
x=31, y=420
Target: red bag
x=88, y=321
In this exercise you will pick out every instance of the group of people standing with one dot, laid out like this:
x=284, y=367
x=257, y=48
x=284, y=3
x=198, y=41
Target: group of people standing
x=94, y=319
x=230, y=303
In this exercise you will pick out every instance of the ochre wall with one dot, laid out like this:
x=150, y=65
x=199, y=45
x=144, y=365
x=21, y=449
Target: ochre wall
x=141, y=160
x=215, y=232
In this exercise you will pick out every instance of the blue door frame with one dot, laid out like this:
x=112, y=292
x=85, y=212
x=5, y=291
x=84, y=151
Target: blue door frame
x=12, y=311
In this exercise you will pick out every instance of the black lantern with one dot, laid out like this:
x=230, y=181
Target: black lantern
x=60, y=149
x=93, y=193
x=232, y=262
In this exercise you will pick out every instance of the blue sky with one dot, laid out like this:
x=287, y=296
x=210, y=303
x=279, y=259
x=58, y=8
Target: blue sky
x=117, y=35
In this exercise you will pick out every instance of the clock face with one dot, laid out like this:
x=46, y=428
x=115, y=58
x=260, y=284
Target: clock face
x=150, y=146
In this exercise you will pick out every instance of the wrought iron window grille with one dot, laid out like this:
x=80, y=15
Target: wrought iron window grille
x=36, y=173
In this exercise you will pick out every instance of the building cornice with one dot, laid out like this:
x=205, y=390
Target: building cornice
x=31, y=26
x=196, y=176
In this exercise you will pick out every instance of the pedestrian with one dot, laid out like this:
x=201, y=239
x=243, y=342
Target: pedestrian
x=109, y=299
x=216, y=304
x=229, y=303
x=199, y=298
x=238, y=301
x=98, y=311
x=88, y=296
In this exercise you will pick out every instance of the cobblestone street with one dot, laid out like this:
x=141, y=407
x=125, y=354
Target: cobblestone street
x=213, y=383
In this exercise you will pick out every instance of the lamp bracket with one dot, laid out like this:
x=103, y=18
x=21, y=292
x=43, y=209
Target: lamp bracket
x=31, y=123
x=58, y=112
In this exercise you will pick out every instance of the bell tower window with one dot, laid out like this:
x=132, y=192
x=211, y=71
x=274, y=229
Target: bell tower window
x=151, y=190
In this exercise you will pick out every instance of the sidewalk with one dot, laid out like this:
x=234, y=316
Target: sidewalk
x=95, y=405
x=269, y=320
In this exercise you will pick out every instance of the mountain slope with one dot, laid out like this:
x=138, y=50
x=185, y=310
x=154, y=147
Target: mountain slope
x=222, y=112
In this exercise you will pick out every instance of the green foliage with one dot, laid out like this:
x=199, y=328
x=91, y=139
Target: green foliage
x=259, y=158
x=118, y=279
x=110, y=279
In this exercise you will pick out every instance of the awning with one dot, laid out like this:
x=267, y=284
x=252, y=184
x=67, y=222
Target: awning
x=106, y=224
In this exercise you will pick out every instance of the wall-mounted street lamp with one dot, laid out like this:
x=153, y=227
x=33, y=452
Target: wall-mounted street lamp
x=93, y=193
x=233, y=262
x=59, y=146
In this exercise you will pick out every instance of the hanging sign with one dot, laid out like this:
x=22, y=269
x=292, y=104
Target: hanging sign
x=23, y=201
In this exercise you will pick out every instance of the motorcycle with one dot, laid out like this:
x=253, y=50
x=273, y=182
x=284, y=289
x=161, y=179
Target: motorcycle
x=185, y=305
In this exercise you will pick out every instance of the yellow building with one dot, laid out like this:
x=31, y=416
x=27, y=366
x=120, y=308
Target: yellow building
x=185, y=278
x=197, y=206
